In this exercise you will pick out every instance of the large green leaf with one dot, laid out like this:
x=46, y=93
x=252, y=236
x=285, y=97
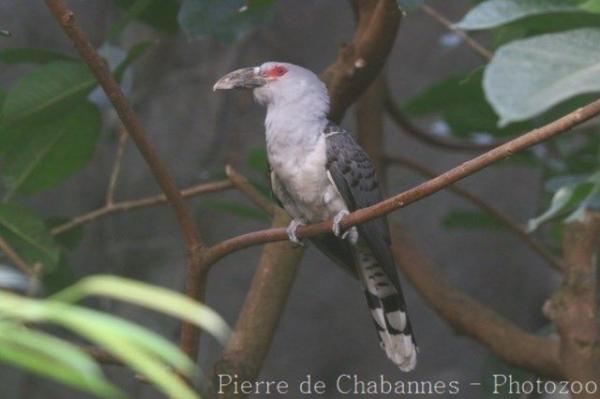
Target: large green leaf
x=493, y=13
x=141, y=349
x=27, y=235
x=226, y=20
x=156, y=298
x=32, y=55
x=160, y=14
x=54, y=358
x=460, y=101
x=527, y=77
x=50, y=90
x=46, y=153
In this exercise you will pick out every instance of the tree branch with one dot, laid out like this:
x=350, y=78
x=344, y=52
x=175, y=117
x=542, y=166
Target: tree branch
x=16, y=260
x=574, y=307
x=442, y=20
x=393, y=109
x=195, y=259
x=116, y=170
x=360, y=61
x=123, y=206
x=506, y=220
x=466, y=315
x=242, y=184
x=419, y=192
x=248, y=347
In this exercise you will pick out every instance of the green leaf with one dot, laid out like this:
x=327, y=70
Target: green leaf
x=58, y=278
x=53, y=88
x=155, y=298
x=237, y=209
x=5, y=33
x=591, y=6
x=45, y=154
x=257, y=160
x=528, y=77
x=31, y=55
x=160, y=14
x=492, y=13
x=471, y=220
x=55, y=358
x=226, y=20
x=141, y=349
x=28, y=235
x=460, y=101
x=69, y=239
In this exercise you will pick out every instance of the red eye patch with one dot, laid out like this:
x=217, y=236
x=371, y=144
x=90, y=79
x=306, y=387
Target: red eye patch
x=276, y=71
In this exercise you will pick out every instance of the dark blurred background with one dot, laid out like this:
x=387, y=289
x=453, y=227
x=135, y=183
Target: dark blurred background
x=326, y=329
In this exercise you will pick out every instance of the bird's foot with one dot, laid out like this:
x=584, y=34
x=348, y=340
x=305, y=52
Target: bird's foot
x=351, y=234
x=291, y=232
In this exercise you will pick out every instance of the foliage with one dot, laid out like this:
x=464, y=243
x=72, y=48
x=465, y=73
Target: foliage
x=43, y=353
x=544, y=66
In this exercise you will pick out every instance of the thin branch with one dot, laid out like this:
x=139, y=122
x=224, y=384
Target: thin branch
x=419, y=192
x=360, y=61
x=116, y=170
x=442, y=20
x=242, y=184
x=16, y=260
x=506, y=220
x=466, y=315
x=123, y=206
x=426, y=137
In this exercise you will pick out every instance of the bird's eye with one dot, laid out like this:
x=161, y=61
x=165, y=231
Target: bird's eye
x=277, y=71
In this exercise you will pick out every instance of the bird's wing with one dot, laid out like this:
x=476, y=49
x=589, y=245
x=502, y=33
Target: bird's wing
x=353, y=174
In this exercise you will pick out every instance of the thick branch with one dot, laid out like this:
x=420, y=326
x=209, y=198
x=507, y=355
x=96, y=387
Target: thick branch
x=506, y=220
x=574, y=308
x=246, y=350
x=360, y=61
x=123, y=206
x=466, y=315
x=432, y=186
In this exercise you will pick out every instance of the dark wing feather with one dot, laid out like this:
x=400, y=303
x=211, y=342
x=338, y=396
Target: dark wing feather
x=354, y=176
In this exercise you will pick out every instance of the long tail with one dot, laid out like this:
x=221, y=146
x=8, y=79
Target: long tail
x=388, y=310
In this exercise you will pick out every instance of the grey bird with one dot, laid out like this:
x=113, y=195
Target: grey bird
x=319, y=172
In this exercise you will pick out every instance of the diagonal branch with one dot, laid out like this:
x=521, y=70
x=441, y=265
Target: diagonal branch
x=14, y=257
x=466, y=315
x=123, y=206
x=426, y=137
x=196, y=273
x=442, y=20
x=417, y=193
x=116, y=170
x=506, y=220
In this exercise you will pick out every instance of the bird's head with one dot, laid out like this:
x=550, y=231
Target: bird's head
x=276, y=83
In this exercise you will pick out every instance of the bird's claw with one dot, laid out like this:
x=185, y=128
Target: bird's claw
x=291, y=232
x=351, y=234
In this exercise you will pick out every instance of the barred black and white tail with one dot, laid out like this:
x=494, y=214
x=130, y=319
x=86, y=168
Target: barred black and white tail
x=388, y=310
